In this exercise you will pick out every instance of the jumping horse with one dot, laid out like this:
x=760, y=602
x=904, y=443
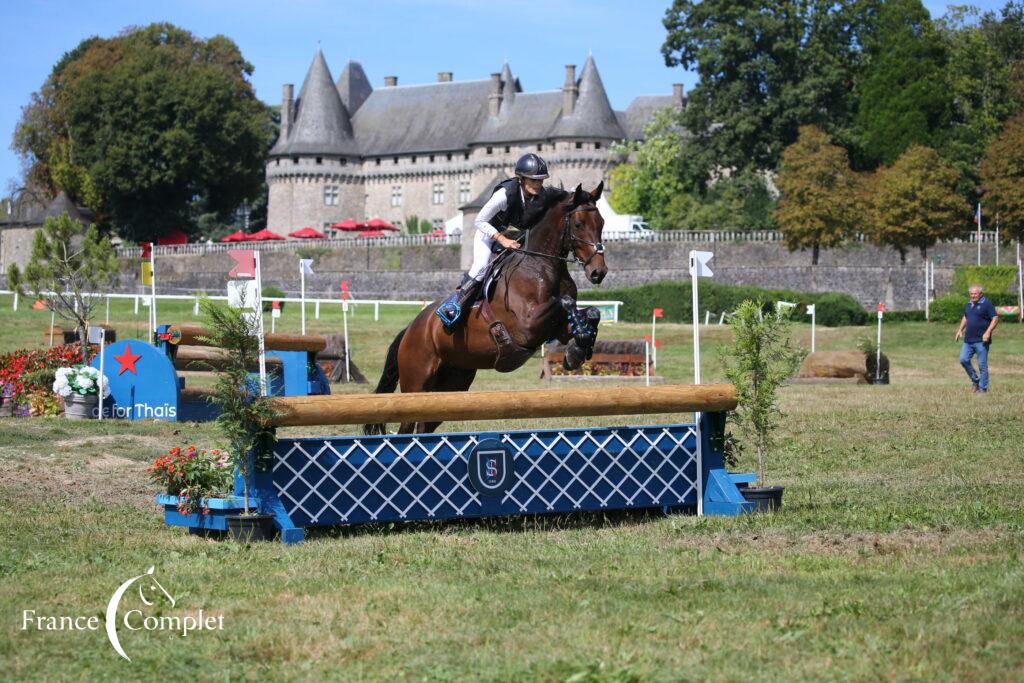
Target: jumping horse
x=528, y=298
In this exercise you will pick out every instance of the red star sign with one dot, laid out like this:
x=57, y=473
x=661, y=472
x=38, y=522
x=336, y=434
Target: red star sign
x=127, y=360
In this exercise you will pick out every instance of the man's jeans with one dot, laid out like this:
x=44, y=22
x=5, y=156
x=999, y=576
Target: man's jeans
x=980, y=348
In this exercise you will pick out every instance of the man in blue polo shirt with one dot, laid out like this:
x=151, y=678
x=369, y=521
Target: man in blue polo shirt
x=979, y=320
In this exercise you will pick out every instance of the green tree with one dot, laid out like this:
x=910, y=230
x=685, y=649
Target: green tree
x=146, y=126
x=904, y=98
x=68, y=264
x=765, y=68
x=915, y=203
x=759, y=360
x=818, y=202
x=1002, y=177
x=739, y=202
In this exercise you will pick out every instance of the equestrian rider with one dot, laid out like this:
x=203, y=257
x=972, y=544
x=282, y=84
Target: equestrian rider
x=503, y=213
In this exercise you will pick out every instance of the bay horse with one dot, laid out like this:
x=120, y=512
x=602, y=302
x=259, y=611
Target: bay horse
x=532, y=300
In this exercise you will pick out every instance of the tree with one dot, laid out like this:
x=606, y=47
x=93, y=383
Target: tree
x=818, y=202
x=904, y=98
x=1002, y=177
x=766, y=67
x=914, y=202
x=759, y=360
x=68, y=264
x=145, y=126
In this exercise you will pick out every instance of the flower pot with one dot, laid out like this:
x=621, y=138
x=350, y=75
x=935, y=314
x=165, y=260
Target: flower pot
x=247, y=528
x=6, y=407
x=765, y=498
x=79, y=407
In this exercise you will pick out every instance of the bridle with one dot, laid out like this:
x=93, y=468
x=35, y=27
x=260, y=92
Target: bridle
x=569, y=237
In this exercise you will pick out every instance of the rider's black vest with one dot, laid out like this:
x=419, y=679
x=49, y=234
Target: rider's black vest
x=513, y=212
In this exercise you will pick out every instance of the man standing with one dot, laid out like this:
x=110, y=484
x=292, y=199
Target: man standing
x=979, y=320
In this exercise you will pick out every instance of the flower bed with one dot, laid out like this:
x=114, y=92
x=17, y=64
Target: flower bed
x=27, y=376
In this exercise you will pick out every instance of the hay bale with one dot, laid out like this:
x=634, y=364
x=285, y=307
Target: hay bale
x=835, y=364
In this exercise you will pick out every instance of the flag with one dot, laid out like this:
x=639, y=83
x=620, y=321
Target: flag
x=245, y=263
x=659, y=312
x=977, y=216
x=147, y=249
x=147, y=273
x=306, y=266
x=345, y=294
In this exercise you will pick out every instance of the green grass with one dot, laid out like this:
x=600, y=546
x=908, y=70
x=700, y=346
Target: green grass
x=897, y=554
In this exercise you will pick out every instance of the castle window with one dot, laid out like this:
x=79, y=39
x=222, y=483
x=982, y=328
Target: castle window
x=344, y=162
x=507, y=149
x=540, y=148
x=464, y=191
x=396, y=160
x=277, y=162
x=579, y=145
x=490, y=150
x=597, y=145
x=330, y=195
x=396, y=195
x=465, y=155
x=413, y=159
x=449, y=156
x=439, y=193
x=377, y=160
x=295, y=160
x=431, y=158
x=319, y=160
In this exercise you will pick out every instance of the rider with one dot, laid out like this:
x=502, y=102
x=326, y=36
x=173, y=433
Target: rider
x=503, y=213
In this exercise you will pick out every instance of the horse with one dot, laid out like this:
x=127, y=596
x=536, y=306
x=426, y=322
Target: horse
x=528, y=298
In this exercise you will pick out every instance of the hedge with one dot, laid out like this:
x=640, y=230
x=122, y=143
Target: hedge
x=832, y=309
x=950, y=308
x=994, y=280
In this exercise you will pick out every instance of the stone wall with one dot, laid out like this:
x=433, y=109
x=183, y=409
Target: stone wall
x=868, y=273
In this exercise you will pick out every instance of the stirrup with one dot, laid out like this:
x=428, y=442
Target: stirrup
x=450, y=311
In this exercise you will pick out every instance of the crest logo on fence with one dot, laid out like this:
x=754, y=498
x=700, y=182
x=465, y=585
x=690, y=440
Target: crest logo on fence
x=491, y=468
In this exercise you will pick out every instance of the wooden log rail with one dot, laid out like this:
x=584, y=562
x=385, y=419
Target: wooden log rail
x=296, y=411
x=191, y=335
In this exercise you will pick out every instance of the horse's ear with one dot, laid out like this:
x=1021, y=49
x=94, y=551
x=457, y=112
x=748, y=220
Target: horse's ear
x=578, y=196
x=596, y=194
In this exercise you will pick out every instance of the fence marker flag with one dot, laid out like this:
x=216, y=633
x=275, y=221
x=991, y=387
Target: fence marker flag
x=698, y=269
x=245, y=263
x=306, y=266
x=659, y=312
x=345, y=294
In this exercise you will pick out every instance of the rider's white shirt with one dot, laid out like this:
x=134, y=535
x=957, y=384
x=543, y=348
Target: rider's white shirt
x=494, y=205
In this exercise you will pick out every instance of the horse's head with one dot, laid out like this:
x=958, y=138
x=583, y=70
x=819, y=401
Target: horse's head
x=583, y=230
x=150, y=589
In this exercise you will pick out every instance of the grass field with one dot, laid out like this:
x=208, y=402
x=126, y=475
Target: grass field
x=897, y=554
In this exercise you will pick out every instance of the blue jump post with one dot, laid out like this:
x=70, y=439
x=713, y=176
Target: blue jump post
x=319, y=481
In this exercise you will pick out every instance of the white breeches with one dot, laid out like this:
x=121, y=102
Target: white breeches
x=481, y=254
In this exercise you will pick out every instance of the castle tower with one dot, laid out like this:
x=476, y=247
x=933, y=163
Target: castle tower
x=313, y=170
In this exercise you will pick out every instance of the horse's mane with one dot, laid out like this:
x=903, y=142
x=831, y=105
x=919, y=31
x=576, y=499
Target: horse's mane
x=536, y=210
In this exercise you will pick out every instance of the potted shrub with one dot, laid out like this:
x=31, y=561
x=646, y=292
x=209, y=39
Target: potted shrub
x=79, y=386
x=192, y=476
x=876, y=365
x=244, y=411
x=759, y=360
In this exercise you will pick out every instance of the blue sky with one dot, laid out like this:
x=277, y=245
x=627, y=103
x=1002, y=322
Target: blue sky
x=413, y=39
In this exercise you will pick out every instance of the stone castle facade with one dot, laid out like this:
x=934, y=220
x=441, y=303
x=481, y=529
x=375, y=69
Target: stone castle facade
x=346, y=150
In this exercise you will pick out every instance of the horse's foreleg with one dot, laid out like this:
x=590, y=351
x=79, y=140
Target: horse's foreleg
x=582, y=326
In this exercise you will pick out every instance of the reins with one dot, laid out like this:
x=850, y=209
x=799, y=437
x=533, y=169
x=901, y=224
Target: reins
x=567, y=233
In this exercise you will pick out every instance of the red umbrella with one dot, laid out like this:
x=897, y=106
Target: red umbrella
x=172, y=237
x=307, y=233
x=379, y=224
x=372, y=233
x=263, y=235
x=348, y=224
x=235, y=237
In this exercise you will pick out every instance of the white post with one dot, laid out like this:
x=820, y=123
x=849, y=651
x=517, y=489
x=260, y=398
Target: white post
x=108, y=310
x=103, y=343
x=348, y=354
x=136, y=307
x=721, y=318
x=927, y=291
x=316, y=310
x=647, y=363
x=152, y=280
x=878, y=346
x=273, y=323
x=376, y=311
x=707, y=316
x=1020, y=284
x=302, y=296
x=259, y=313
x=812, y=311
x=15, y=306
x=997, y=239
x=654, y=346
x=53, y=321
x=979, y=233
x=694, y=269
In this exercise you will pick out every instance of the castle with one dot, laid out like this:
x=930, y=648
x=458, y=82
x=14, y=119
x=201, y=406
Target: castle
x=346, y=150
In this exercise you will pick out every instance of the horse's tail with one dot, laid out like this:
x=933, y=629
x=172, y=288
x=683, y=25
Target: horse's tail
x=388, y=381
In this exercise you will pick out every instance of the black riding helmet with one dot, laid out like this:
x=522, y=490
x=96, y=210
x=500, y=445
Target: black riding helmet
x=532, y=166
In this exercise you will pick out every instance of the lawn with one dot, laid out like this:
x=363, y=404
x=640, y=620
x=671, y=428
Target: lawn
x=897, y=554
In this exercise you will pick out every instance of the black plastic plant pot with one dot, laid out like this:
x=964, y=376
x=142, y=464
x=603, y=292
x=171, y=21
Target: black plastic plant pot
x=765, y=498
x=249, y=528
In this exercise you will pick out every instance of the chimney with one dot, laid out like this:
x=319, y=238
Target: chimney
x=569, y=91
x=390, y=81
x=287, y=109
x=494, y=99
x=444, y=76
x=677, y=95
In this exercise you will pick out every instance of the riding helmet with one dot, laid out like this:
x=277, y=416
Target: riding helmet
x=532, y=166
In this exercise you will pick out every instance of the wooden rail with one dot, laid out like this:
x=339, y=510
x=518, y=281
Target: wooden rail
x=191, y=335
x=341, y=409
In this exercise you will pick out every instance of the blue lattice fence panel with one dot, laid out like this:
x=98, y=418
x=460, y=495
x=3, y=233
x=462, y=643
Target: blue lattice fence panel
x=346, y=480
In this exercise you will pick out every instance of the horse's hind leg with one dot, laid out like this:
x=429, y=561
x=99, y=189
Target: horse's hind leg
x=447, y=378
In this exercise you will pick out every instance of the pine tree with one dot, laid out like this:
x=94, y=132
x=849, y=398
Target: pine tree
x=914, y=202
x=818, y=203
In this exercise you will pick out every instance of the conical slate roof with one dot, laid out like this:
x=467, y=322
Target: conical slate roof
x=353, y=87
x=321, y=124
x=592, y=116
x=508, y=91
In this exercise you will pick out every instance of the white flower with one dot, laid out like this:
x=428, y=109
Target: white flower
x=106, y=391
x=90, y=371
x=85, y=383
x=62, y=373
x=64, y=391
x=61, y=381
